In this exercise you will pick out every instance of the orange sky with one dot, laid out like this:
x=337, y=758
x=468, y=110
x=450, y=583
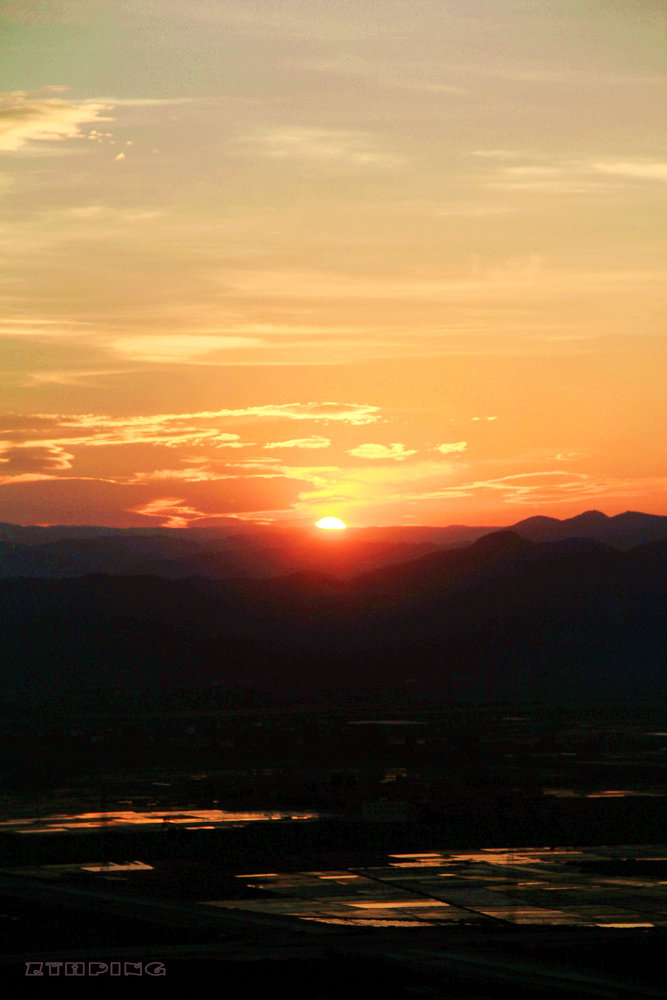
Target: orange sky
x=397, y=263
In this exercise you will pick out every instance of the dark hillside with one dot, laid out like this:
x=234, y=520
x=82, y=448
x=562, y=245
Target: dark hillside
x=503, y=615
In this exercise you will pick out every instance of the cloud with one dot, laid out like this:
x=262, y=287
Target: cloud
x=25, y=118
x=314, y=441
x=178, y=504
x=645, y=170
x=560, y=174
x=425, y=86
x=521, y=488
x=498, y=154
x=355, y=414
x=559, y=486
x=92, y=430
x=146, y=102
x=174, y=512
x=563, y=177
x=370, y=71
x=21, y=427
x=17, y=460
x=371, y=486
x=36, y=443
x=174, y=428
x=455, y=446
x=177, y=347
x=396, y=451
x=338, y=148
x=67, y=499
x=194, y=474
x=524, y=483
x=241, y=471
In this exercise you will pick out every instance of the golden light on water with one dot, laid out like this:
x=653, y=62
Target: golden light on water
x=331, y=523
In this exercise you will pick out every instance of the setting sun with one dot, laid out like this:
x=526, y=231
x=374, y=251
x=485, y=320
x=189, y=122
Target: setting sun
x=331, y=523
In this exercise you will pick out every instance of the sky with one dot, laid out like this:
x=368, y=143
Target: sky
x=396, y=261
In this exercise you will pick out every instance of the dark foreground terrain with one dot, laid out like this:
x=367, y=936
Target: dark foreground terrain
x=428, y=772
x=416, y=850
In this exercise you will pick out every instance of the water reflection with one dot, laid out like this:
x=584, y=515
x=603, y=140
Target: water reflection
x=191, y=819
x=605, y=793
x=113, y=866
x=625, y=925
x=398, y=904
x=519, y=886
x=372, y=923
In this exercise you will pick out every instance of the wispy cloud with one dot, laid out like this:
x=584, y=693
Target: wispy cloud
x=558, y=486
x=26, y=118
x=338, y=148
x=314, y=441
x=424, y=86
x=498, y=154
x=373, y=485
x=355, y=414
x=518, y=169
x=520, y=488
x=192, y=474
x=38, y=442
x=397, y=451
x=92, y=430
x=372, y=74
x=645, y=170
x=173, y=512
x=177, y=347
x=452, y=447
x=18, y=459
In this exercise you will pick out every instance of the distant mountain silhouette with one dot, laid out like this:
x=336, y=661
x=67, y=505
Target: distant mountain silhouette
x=340, y=556
x=262, y=552
x=624, y=531
x=36, y=534
x=80, y=556
x=501, y=553
x=503, y=617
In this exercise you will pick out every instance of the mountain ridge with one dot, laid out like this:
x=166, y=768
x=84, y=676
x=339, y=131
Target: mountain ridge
x=182, y=553
x=579, y=620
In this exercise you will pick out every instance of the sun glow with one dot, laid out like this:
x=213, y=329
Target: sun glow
x=331, y=523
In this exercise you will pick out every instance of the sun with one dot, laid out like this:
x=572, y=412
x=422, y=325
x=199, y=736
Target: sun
x=331, y=523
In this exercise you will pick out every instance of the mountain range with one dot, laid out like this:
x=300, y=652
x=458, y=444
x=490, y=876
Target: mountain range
x=503, y=617
x=263, y=552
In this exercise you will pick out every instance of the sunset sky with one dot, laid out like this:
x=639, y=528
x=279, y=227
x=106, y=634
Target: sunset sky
x=397, y=261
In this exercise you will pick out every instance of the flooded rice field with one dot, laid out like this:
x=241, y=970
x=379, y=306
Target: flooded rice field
x=544, y=886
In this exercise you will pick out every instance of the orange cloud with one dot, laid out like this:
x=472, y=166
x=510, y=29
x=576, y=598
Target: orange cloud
x=17, y=460
x=455, y=446
x=173, y=512
x=178, y=346
x=174, y=430
x=314, y=441
x=397, y=451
